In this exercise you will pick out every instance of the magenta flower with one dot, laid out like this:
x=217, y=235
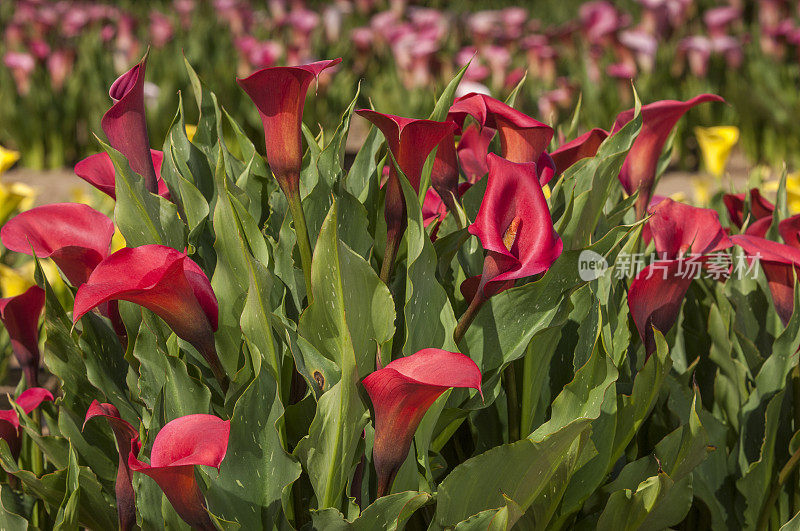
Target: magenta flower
x=760, y=208
x=125, y=123
x=98, y=170
x=789, y=229
x=401, y=393
x=639, y=169
x=76, y=236
x=472, y=150
x=127, y=444
x=166, y=282
x=20, y=315
x=28, y=400
x=181, y=445
x=444, y=174
x=586, y=145
x=684, y=235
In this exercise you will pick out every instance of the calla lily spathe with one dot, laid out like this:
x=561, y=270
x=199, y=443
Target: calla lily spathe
x=98, y=170
x=28, y=400
x=716, y=144
x=20, y=315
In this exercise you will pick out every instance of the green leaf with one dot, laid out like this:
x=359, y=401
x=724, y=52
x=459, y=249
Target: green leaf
x=657, y=503
x=10, y=520
x=388, y=513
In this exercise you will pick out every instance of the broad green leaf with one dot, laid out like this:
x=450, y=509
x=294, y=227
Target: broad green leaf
x=657, y=503
x=388, y=513
x=9, y=519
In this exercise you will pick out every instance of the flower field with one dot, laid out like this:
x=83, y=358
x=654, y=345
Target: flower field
x=355, y=265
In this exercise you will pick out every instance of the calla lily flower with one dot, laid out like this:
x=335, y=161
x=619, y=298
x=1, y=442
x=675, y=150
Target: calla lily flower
x=522, y=139
x=279, y=93
x=401, y=393
x=514, y=226
x=410, y=141
x=20, y=315
x=639, y=169
x=582, y=147
x=128, y=443
x=76, y=236
x=683, y=236
x=780, y=264
x=789, y=229
x=15, y=197
x=472, y=150
x=166, y=282
x=759, y=207
x=716, y=144
x=125, y=123
x=28, y=400
x=181, y=445
x=444, y=174
x=98, y=170
x=7, y=159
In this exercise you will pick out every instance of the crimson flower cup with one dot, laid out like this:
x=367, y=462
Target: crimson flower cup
x=20, y=315
x=98, y=170
x=28, y=401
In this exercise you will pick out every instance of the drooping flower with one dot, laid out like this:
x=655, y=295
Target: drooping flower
x=76, y=236
x=279, y=94
x=20, y=315
x=684, y=235
x=639, y=169
x=401, y=393
x=586, y=145
x=410, y=142
x=125, y=123
x=514, y=226
x=780, y=264
x=716, y=144
x=28, y=400
x=166, y=282
x=181, y=445
x=98, y=170
x=127, y=438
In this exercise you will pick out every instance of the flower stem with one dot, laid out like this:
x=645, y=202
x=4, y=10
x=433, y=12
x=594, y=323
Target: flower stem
x=512, y=403
x=389, y=256
x=469, y=315
x=303, y=242
x=783, y=475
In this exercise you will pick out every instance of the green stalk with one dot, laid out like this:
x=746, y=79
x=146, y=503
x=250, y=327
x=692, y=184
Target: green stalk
x=527, y=393
x=512, y=403
x=303, y=242
x=469, y=315
x=783, y=475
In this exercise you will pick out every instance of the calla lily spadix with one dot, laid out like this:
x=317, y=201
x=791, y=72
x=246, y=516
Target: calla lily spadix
x=166, y=282
x=28, y=400
x=639, y=169
x=182, y=444
x=515, y=228
x=410, y=141
x=98, y=170
x=279, y=94
x=20, y=315
x=127, y=438
x=682, y=234
x=401, y=393
x=125, y=123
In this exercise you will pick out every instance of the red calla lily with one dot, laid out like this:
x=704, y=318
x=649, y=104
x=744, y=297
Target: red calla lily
x=98, y=170
x=76, y=236
x=444, y=174
x=181, y=445
x=759, y=207
x=165, y=281
x=582, y=147
x=434, y=209
x=401, y=393
x=20, y=316
x=125, y=123
x=127, y=443
x=639, y=169
x=279, y=93
x=472, y=150
x=410, y=141
x=28, y=400
x=789, y=229
x=514, y=226
x=657, y=292
x=522, y=139
x=780, y=263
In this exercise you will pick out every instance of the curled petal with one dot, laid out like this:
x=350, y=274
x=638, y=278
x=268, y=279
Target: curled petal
x=76, y=236
x=98, y=170
x=180, y=445
x=20, y=316
x=401, y=393
x=582, y=147
x=545, y=168
x=759, y=207
x=279, y=93
x=639, y=169
x=522, y=138
x=789, y=230
x=32, y=398
x=678, y=229
x=28, y=400
x=125, y=123
x=780, y=264
x=164, y=281
x=655, y=299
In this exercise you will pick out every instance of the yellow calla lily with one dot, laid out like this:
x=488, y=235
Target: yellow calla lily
x=13, y=282
x=117, y=241
x=716, y=144
x=190, y=131
x=792, y=191
x=15, y=197
x=7, y=158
